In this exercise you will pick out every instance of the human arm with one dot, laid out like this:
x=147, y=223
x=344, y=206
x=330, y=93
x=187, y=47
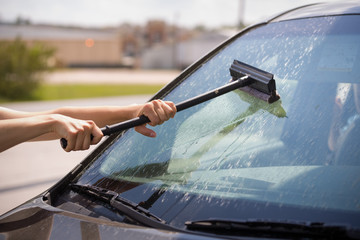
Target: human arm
x=17, y=130
x=72, y=123
x=157, y=111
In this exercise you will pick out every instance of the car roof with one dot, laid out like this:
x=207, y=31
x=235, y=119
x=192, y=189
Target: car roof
x=320, y=10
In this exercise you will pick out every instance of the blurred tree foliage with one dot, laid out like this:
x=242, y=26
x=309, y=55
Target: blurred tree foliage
x=20, y=65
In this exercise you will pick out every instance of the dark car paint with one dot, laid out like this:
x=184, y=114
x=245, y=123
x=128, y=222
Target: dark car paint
x=38, y=218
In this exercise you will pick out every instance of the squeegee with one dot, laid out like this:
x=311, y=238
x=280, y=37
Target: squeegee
x=252, y=80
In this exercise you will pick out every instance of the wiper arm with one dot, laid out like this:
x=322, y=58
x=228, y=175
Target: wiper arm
x=123, y=205
x=272, y=229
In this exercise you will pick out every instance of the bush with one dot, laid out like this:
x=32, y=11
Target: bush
x=20, y=66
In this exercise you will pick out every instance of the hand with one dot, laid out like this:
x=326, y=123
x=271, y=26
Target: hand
x=76, y=132
x=158, y=112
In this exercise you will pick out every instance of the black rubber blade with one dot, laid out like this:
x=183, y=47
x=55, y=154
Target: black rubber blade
x=263, y=85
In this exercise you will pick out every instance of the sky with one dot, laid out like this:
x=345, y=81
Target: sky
x=185, y=13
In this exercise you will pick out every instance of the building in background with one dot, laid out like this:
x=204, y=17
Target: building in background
x=182, y=53
x=74, y=46
x=155, y=45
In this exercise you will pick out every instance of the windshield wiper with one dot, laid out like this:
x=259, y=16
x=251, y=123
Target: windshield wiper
x=264, y=228
x=123, y=205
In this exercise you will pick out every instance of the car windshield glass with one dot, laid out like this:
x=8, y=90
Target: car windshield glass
x=301, y=151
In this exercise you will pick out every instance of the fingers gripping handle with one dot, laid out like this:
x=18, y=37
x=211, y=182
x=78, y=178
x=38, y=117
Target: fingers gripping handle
x=108, y=130
x=64, y=142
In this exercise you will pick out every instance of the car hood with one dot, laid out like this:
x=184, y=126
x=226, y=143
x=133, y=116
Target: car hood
x=36, y=218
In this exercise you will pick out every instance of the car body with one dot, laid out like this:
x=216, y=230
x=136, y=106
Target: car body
x=235, y=166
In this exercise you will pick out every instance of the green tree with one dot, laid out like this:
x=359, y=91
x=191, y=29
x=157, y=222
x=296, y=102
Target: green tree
x=20, y=66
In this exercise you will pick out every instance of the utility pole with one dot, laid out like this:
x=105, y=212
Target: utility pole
x=175, y=41
x=241, y=13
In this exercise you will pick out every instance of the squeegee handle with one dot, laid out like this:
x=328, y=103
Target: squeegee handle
x=242, y=82
x=108, y=130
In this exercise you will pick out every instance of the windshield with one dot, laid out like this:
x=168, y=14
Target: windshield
x=239, y=157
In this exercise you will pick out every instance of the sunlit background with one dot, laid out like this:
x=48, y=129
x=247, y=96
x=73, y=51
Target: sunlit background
x=186, y=13
x=158, y=34
x=139, y=35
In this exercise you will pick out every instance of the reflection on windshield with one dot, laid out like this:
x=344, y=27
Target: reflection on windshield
x=302, y=150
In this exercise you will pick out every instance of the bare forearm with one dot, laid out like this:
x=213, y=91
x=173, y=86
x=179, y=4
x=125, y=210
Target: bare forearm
x=15, y=131
x=77, y=124
x=102, y=116
x=49, y=126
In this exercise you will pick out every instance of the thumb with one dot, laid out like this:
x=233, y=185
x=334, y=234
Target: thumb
x=142, y=129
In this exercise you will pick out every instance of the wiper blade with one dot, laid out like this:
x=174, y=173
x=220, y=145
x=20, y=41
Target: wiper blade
x=272, y=229
x=123, y=205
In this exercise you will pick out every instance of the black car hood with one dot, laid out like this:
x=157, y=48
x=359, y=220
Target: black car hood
x=37, y=220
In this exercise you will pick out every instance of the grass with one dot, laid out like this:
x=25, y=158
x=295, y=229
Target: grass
x=72, y=91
